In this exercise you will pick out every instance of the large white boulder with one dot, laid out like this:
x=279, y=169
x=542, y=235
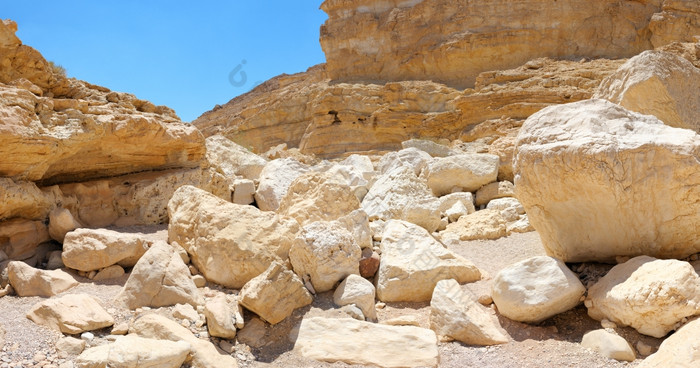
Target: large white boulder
x=411, y=158
x=318, y=197
x=651, y=295
x=71, y=314
x=94, y=249
x=657, y=83
x=608, y=344
x=599, y=181
x=466, y=172
x=229, y=243
x=535, y=289
x=275, y=179
x=233, y=160
x=134, y=351
x=682, y=349
x=413, y=262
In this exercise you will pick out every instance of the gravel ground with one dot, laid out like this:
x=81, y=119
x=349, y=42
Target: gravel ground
x=552, y=343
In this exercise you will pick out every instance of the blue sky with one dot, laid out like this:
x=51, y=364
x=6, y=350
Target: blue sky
x=174, y=53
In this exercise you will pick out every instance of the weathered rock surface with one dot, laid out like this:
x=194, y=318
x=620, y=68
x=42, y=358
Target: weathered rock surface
x=677, y=21
x=61, y=221
x=19, y=238
x=494, y=190
x=317, y=197
x=29, y=281
x=325, y=253
x=657, y=83
x=484, y=224
x=229, y=243
x=358, y=291
x=132, y=352
x=204, y=353
x=233, y=160
x=94, y=249
x=454, y=314
x=413, y=262
x=274, y=294
x=159, y=279
x=221, y=318
x=650, y=295
x=356, y=342
x=609, y=345
x=536, y=289
x=678, y=350
x=275, y=179
x=71, y=314
x=601, y=156
x=464, y=173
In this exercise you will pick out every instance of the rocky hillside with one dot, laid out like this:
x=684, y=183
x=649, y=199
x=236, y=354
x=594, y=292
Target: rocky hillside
x=512, y=185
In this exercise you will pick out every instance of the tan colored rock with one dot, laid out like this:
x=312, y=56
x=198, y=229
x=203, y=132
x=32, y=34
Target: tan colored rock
x=317, y=197
x=413, y=262
x=67, y=346
x=535, y=289
x=432, y=148
x=657, y=83
x=254, y=333
x=608, y=344
x=61, y=221
x=204, y=353
x=159, y=279
x=452, y=42
x=325, y=253
x=678, y=350
x=94, y=249
x=355, y=342
x=23, y=199
x=230, y=244
x=357, y=223
x=19, y=238
x=71, y=314
x=493, y=191
x=221, y=320
x=602, y=175
x=133, y=351
x=185, y=311
x=677, y=21
x=233, y=160
x=274, y=294
x=400, y=194
x=648, y=294
x=468, y=173
x=358, y=291
x=243, y=191
x=29, y=281
x=108, y=273
x=275, y=179
x=484, y=224
x=454, y=314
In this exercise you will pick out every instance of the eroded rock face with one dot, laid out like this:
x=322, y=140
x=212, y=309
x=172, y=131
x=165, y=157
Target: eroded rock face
x=453, y=41
x=318, y=197
x=229, y=243
x=71, y=314
x=650, y=295
x=29, y=281
x=630, y=176
x=657, y=83
x=94, y=249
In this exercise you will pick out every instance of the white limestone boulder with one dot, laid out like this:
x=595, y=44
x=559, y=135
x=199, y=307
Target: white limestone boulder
x=275, y=179
x=94, y=249
x=467, y=172
x=358, y=291
x=317, y=197
x=71, y=314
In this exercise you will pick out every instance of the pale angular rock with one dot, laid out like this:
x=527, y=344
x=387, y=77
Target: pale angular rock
x=405, y=320
x=233, y=160
x=522, y=225
x=466, y=172
x=274, y=294
x=493, y=191
x=94, y=249
x=132, y=351
x=465, y=198
x=609, y=345
x=357, y=223
x=484, y=224
x=23, y=199
x=185, y=311
x=317, y=197
x=325, y=253
x=159, y=279
x=456, y=211
x=400, y=194
x=221, y=320
x=535, y=289
x=601, y=156
x=204, y=353
x=275, y=179
x=243, y=191
x=230, y=244
x=657, y=83
x=429, y=147
x=648, y=294
x=413, y=262
x=108, y=273
x=29, y=281
x=61, y=221
x=20, y=238
x=361, y=163
x=70, y=345
x=71, y=314
x=356, y=342
x=678, y=350
x=358, y=291
x=456, y=315
x=412, y=158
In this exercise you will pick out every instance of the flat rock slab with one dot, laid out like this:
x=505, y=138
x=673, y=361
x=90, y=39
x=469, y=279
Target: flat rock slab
x=71, y=314
x=356, y=342
x=133, y=351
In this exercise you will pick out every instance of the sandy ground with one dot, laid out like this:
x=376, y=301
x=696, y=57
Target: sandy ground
x=552, y=343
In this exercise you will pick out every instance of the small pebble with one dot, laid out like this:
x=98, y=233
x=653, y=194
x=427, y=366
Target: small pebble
x=87, y=336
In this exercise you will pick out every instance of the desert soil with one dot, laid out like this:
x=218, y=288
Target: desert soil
x=552, y=343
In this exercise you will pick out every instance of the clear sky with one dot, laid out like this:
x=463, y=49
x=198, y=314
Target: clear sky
x=175, y=53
